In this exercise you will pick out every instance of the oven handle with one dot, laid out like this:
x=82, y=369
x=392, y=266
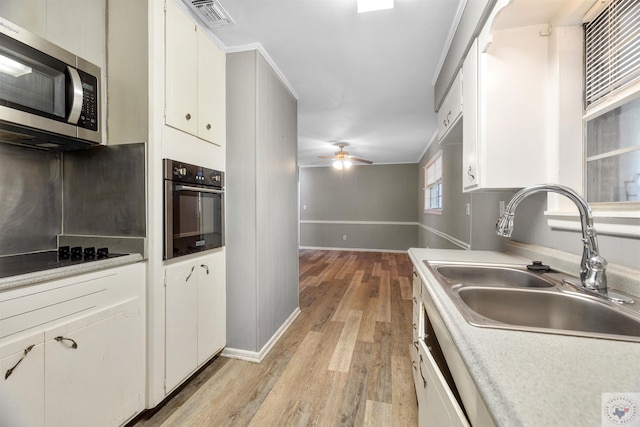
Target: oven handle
x=197, y=189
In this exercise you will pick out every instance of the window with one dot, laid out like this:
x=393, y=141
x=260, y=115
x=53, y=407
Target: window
x=433, y=184
x=613, y=155
x=612, y=65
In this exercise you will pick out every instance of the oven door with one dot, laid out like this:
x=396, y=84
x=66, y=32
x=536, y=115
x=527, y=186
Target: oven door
x=194, y=219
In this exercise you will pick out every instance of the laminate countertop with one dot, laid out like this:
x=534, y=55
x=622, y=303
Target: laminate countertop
x=529, y=378
x=67, y=271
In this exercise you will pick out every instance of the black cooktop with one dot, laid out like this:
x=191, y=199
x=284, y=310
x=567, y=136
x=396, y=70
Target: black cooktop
x=65, y=256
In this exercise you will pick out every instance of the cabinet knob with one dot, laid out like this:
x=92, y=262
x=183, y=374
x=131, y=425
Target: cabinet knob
x=188, y=116
x=208, y=126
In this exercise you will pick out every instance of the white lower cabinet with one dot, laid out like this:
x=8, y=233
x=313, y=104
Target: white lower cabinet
x=22, y=382
x=77, y=368
x=439, y=406
x=195, y=315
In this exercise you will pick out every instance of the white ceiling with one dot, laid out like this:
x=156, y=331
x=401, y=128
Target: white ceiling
x=364, y=79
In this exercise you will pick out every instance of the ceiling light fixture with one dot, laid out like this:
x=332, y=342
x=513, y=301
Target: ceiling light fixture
x=373, y=5
x=342, y=164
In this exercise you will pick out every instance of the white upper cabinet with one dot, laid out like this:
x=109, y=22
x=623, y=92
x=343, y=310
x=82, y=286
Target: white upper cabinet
x=194, y=80
x=451, y=109
x=506, y=108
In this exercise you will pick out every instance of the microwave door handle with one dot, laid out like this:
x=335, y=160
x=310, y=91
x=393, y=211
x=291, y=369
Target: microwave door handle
x=198, y=189
x=76, y=102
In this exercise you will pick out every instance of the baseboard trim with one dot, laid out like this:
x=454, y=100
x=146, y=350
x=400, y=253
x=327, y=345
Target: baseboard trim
x=321, y=248
x=258, y=356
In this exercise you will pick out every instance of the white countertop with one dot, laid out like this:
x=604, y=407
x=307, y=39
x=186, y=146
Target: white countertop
x=527, y=378
x=68, y=271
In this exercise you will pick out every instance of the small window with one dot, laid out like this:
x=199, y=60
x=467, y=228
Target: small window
x=613, y=155
x=433, y=185
x=612, y=61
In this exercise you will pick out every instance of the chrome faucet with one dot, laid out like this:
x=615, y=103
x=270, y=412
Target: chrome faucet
x=592, y=267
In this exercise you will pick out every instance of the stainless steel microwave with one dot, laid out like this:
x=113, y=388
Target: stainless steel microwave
x=49, y=97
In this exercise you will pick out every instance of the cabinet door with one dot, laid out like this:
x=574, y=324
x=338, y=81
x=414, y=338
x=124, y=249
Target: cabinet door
x=181, y=86
x=211, y=306
x=181, y=322
x=442, y=408
x=22, y=382
x=470, y=177
x=451, y=109
x=211, y=91
x=78, y=379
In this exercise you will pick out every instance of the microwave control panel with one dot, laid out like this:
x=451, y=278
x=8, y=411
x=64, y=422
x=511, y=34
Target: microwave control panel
x=89, y=114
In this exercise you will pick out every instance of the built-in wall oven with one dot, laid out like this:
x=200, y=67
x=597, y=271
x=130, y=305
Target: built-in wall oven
x=194, y=208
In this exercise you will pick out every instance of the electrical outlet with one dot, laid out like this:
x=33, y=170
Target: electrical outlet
x=344, y=237
x=468, y=209
x=501, y=207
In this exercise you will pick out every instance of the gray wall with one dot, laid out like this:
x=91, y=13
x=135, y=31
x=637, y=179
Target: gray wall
x=455, y=229
x=530, y=226
x=261, y=202
x=374, y=206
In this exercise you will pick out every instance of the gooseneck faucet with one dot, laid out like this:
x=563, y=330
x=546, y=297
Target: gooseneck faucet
x=592, y=267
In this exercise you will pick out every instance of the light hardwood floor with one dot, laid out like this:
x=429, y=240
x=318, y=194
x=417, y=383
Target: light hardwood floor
x=344, y=361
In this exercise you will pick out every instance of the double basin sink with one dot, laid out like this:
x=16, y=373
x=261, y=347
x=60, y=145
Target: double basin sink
x=512, y=297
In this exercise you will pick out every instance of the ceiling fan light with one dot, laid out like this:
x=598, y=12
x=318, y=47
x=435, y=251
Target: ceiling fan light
x=347, y=164
x=337, y=164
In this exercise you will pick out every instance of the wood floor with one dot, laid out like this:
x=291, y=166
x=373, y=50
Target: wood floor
x=344, y=361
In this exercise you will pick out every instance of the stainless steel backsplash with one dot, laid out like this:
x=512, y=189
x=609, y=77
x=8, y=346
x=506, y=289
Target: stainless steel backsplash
x=30, y=200
x=102, y=190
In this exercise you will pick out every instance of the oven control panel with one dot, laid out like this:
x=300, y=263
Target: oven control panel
x=192, y=174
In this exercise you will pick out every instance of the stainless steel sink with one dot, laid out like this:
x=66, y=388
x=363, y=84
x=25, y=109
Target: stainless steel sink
x=508, y=297
x=496, y=276
x=560, y=311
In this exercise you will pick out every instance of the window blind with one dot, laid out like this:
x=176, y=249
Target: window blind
x=612, y=49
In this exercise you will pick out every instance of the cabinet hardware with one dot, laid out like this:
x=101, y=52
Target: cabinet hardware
x=424, y=380
x=469, y=172
x=413, y=362
x=188, y=116
x=415, y=300
x=415, y=344
x=24, y=354
x=61, y=338
x=206, y=267
x=190, y=273
x=208, y=126
x=415, y=326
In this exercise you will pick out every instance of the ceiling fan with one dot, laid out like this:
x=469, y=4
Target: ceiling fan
x=342, y=159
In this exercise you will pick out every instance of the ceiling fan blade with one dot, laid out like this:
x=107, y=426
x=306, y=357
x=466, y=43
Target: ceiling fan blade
x=356, y=159
x=326, y=157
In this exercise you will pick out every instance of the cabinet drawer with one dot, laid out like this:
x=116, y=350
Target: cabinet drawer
x=451, y=109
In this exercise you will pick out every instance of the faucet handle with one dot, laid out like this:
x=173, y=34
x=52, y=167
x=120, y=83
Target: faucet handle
x=596, y=275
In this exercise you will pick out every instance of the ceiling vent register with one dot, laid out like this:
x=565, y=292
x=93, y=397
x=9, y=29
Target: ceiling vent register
x=210, y=13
